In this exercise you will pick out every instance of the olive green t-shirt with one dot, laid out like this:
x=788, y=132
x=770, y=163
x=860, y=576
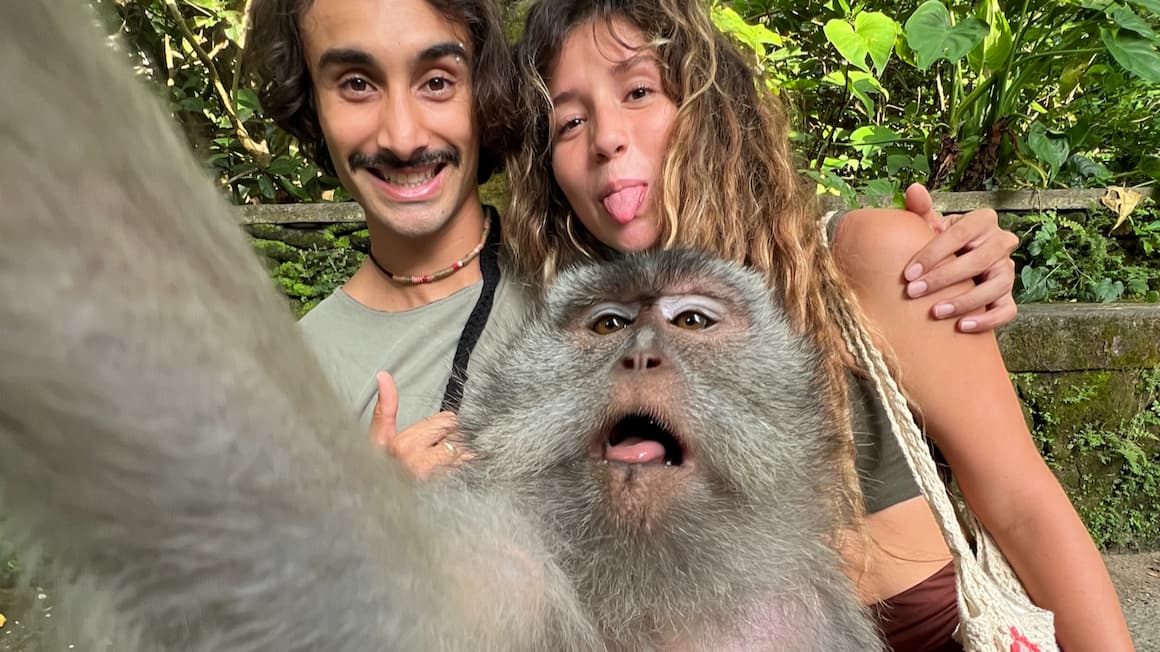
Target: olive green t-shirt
x=882, y=471
x=353, y=342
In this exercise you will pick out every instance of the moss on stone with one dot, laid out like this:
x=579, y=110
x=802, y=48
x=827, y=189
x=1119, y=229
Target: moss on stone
x=1100, y=433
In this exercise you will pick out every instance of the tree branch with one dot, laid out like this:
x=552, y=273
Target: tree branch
x=255, y=148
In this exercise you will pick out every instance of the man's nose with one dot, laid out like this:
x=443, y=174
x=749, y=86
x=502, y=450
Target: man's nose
x=402, y=129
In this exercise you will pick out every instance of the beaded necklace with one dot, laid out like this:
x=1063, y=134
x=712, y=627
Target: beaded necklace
x=419, y=279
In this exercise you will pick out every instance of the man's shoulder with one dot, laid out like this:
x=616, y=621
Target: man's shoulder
x=337, y=310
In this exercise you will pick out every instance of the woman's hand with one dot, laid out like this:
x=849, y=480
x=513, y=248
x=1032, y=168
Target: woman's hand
x=972, y=247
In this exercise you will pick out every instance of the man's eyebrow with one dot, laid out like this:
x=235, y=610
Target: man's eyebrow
x=344, y=57
x=356, y=57
x=440, y=50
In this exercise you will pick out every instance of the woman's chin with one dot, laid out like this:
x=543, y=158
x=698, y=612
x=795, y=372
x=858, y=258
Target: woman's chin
x=635, y=237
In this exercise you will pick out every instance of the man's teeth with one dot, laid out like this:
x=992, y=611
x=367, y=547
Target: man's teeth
x=410, y=178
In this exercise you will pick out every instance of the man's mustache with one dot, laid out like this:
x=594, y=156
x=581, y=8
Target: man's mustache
x=387, y=158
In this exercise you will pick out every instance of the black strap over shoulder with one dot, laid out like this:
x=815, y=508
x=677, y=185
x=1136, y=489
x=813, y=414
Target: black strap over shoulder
x=489, y=267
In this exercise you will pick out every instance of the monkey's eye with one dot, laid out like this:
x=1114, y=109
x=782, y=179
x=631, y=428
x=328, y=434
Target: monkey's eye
x=609, y=323
x=692, y=320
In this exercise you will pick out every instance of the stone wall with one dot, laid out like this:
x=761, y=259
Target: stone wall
x=1089, y=379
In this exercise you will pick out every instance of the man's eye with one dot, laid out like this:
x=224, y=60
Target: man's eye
x=569, y=125
x=606, y=324
x=437, y=84
x=356, y=84
x=692, y=320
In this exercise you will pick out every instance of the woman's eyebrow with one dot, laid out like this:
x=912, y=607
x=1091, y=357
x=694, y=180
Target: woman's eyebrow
x=633, y=62
x=618, y=70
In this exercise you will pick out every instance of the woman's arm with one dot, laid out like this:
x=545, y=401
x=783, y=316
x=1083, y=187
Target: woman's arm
x=960, y=386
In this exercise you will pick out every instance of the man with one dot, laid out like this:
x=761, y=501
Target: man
x=408, y=102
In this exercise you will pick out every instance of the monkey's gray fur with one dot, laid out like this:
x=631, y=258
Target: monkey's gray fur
x=163, y=431
x=169, y=443
x=724, y=548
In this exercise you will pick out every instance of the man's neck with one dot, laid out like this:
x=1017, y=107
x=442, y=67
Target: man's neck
x=371, y=287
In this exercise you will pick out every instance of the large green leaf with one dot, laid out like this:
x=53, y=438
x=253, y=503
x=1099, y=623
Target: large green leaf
x=1126, y=18
x=879, y=31
x=1138, y=56
x=872, y=33
x=847, y=42
x=870, y=138
x=1049, y=148
x=991, y=55
x=1151, y=5
x=755, y=36
x=932, y=35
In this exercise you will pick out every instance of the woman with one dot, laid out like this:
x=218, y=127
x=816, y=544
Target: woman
x=648, y=129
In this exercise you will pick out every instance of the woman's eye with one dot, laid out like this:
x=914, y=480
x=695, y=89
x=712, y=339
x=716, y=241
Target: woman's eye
x=609, y=324
x=692, y=320
x=639, y=93
x=437, y=84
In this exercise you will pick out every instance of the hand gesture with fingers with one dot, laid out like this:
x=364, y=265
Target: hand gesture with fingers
x=423, y=447
x=968, y=246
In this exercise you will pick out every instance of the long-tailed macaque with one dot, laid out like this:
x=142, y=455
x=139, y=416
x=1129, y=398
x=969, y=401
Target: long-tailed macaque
x=660, y=421
x=163, y=431
x=648, y=447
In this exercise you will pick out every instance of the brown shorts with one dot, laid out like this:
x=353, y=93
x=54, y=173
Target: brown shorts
x=923, y=617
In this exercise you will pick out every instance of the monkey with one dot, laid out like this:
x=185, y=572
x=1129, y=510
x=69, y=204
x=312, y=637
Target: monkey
x=165, y=441
x=648, y=470
x=678, y=454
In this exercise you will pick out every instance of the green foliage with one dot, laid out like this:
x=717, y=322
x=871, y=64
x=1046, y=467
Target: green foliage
x=191, y=50
x=976, y=93
x=1079, y=257
x=980, y=94
x=1108, y=458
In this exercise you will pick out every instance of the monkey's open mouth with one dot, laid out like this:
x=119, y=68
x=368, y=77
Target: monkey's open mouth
x=642, y=439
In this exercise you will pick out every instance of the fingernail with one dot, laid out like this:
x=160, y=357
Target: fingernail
x=916, y=289
x=913, y=272
x=968, y=324
x=943, y=309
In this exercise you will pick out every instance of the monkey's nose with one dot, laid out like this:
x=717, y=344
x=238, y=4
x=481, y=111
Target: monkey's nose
x=641, y=360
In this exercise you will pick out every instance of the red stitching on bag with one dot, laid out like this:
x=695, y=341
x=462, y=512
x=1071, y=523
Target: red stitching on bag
x=1021, y=644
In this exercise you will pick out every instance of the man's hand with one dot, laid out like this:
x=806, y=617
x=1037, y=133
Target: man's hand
x=424, y=447
x=974, y=248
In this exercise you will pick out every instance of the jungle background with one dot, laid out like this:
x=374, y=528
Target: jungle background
x=958, y=94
